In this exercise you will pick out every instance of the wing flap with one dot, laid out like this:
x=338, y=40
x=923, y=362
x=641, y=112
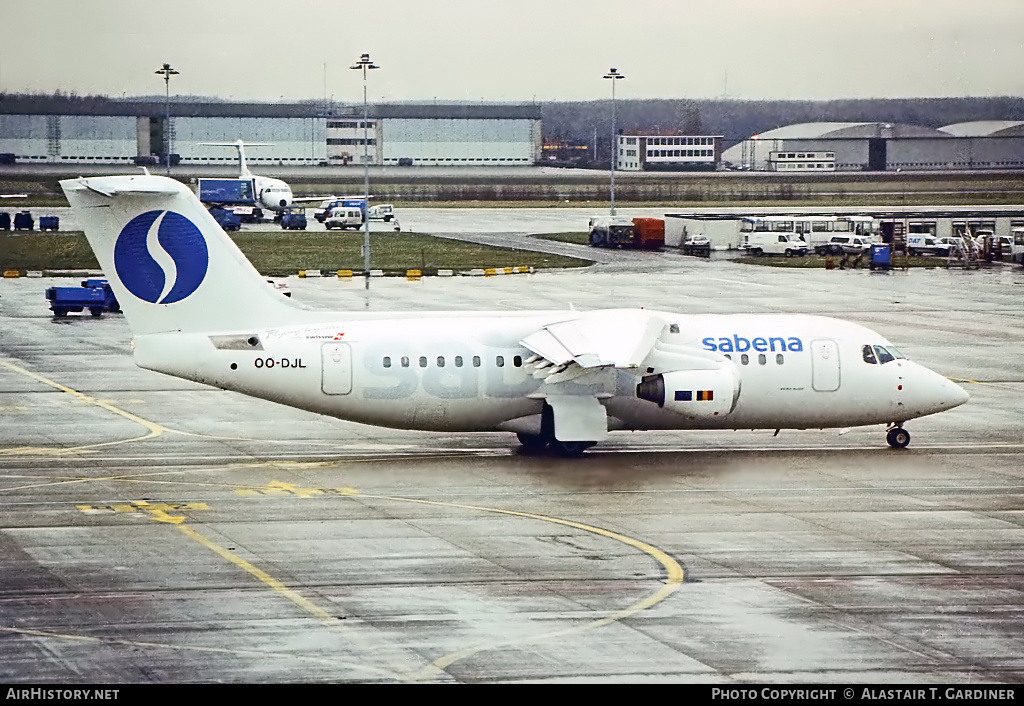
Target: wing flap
x=618, y=338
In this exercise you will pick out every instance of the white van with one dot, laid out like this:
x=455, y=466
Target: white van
x=924, y=244
x=788, y=244
x=344, y=217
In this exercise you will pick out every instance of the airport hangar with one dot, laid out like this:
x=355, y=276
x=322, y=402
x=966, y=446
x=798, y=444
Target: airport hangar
x=48, y=130
x=878, y=147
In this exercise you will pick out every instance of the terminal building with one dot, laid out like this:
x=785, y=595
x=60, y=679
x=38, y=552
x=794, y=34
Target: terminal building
x=55, y=130
x=879, y=147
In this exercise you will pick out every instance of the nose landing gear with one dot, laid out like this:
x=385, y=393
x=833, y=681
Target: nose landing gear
x=897, y=437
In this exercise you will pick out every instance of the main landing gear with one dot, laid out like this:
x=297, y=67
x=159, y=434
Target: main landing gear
x=567, y=449
x=897, y=436
x=536, y=443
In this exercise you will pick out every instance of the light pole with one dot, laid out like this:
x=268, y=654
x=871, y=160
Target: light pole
x=614, y=75
x=167, y=72
x=365, y=64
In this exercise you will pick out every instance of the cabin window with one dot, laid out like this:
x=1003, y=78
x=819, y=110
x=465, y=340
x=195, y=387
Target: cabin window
x=440, y=361
x=728, y=356
x=779, y=359
x=476, y=361
x=500, y=361
x=458, y=361
x=673, y=328
x=761, y=359
x=423, y=361
x=405, y=361
x=518, y=361
x=744, y=359
x=869, y=355
x=387, y=361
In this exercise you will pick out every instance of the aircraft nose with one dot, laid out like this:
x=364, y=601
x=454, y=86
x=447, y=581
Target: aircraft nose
x=927, y=392
x=957, y=394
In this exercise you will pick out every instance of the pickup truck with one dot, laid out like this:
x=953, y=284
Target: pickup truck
x=849, y=244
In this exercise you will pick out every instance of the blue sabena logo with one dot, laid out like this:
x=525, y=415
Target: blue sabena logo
x=161, y=257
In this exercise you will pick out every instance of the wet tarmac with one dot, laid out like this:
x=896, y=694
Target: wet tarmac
x=155, y=530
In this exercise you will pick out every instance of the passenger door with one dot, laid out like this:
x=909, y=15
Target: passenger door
x=825, y=376
x=336, y=367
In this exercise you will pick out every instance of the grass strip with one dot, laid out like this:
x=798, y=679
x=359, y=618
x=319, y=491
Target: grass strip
x=285, y=253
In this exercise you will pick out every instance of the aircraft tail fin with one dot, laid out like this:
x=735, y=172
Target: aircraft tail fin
x=171, y=266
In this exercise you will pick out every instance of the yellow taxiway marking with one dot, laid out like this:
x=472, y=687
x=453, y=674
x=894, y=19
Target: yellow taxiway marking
x=154, y=428
x=675, y=574
x=159, y=511
x=258, y=573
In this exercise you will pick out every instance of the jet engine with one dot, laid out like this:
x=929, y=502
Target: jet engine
x=698, y=394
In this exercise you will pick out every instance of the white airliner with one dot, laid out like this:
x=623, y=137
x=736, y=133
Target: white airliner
x=561, y=379
x=271, y=193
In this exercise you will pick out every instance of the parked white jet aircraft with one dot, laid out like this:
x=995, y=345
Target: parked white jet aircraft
x=271, y=193
x=562, y=379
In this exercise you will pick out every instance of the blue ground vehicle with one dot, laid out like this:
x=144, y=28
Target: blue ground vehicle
x=23, y=221
x=226, y=218
x=293, y=219
x=49, y=223
x=94, y=295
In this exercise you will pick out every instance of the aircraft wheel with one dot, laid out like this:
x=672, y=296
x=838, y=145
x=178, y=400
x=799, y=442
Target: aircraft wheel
x=533, y=442
x=570, y=449
x=898, y=437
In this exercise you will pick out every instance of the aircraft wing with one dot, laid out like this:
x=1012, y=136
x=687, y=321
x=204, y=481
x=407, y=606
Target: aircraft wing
x=611, y=338
x=311, y=199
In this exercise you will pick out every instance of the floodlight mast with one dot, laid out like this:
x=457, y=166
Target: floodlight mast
x=365, y=64
x=614, y=75
x=167, y=72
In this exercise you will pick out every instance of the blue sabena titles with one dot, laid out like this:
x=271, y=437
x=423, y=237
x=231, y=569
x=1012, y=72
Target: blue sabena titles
x=140, y=272
x=759, y=344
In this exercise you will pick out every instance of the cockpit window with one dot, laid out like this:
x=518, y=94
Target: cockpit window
x=881, y=354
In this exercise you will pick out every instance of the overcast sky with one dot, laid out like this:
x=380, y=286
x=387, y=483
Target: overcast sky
x=496, y=50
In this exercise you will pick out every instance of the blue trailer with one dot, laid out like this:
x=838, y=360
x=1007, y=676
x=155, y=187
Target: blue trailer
x=49, y=223
x=94, y=295
x=224, y=192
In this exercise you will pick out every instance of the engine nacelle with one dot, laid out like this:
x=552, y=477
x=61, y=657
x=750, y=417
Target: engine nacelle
x=699, y=394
